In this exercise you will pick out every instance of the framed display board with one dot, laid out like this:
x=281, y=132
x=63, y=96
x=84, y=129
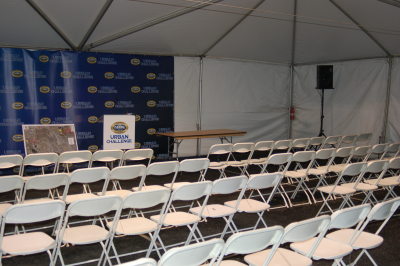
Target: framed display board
x=119, y=132
x=49, y=138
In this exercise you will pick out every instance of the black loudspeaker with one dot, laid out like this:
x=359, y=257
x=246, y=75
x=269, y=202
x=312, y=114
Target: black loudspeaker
x=324, y=77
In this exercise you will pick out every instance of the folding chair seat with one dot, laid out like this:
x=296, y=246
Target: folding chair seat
x=360, y=239
x=363, y=139
x=294, y=232
x=361, y=154
x=328, y=249
x=126, y=173
x=141, y=262
x=249, y=205
x=160, y=170
x=348, y=140
x=110, y=158
x=71, y=158
x=219, y=155
x=248, y=242
x=193, y=193
x=40, y=160
x=138, y=156
x=262, y=150
x=300, y=144
x=10, y=183
x=331, y=142
x=190, y=166
x=11, y=162
x=35, y=241
x=52, y=184
x=282, y=145
x=377, y=151
x=315, y=143
x=392, y=150
x=302, y=160
x=335, y=190
x=137, y=223
x=240, y=156
x=85, y=177
x=92, y=231
x=192, y=255
x=224, y=186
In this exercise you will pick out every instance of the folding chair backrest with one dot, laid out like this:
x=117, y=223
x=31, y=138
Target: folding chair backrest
x=306, y=229
x=316, y=141
x=348, y=217
x=262, y=181
x=146, y=199
x=301, y=143
x=376, y=166
x=192, y=255
x=219, y=149
x=361, y=152
x=394, y=164
x=192, y=191
x=75, y=157
x=332, y=141
x=242, y=150
x=45, y=182
x=348, y=140
x=128, y=172
x=283, y=144
x=279, y=158
x=138, y=155
x=194, y=165
x=392, y=150
x=353, y=169
x=303, y=156
x=107, y=155
x=253, y=240
x=229, y=185
x=345, y=154
x=378, y=149
x=89, y=175
x=364, y=138
x=9, y=161
x=325, y=154
x=10, y=183
x=384, y=210
x=34, y=212
x=40, y=159
x=264, y=145
x=163, y=168
x=94, y=206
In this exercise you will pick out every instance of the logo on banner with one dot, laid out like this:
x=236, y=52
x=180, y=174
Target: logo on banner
x=135, y=89
x=92, y=119
x=91, y=60
x=45, y=120
x=151, y=76
x=151, y=131
x=44, y=89
x=135, y=61
x=17, y=138
x=92, y=89
x=66, y=105
x=138, y=145
x=109, y=104
x=137, y=118
x=17, y=105
x=109, y=75
x=119, y=127
x=43, y=58
x=66, y=74
x=151, y=103
x=17, y=73
x=93, y=148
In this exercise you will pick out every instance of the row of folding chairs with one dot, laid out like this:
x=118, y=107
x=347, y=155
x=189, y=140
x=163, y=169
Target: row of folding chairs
x=309, y=240
x=64, y=161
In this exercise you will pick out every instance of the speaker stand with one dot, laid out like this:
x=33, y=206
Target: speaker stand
x=321, y=129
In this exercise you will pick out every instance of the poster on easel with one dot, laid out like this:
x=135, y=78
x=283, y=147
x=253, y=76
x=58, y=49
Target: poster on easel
x=119, y=132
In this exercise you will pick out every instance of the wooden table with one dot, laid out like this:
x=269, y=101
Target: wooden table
x=176, y=138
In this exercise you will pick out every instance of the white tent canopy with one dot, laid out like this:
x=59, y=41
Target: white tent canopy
x=241, y=64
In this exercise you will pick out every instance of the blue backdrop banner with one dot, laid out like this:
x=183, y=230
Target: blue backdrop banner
x=62, y=87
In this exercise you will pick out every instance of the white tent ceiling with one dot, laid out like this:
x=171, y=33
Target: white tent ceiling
x=275, y=31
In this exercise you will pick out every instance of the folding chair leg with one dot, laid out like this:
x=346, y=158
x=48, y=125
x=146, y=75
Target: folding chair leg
x=260, y=219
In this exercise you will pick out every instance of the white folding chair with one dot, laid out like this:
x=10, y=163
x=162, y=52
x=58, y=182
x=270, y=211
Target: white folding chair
x=361, y=153
x=240, y=156
x=224, y=186
x=35, y=241
x=194, y=193
x=190, y=166
x=363, y=139
x=138, y=224
x=331, y=142
x=85, y=177
x=294, y=232
x=51, y=183
x=323, y=159
x=283, y=145
x=140, y=262
x=342, y=158
x=40, y=160
x=11, y=161
x=70, y=158
x=300, y=144
x=249, y=205
x=250, y=242
x=90, y=232
x=359, y=238
x=392, y=150
x=262, y=150
x=328, y=249
x=124, y=174
x=160, y=170
x=10, y=183
x=315, y=143
x=377, y=151
x=219, y=154
x=109, y=158
x=138, y=156
x=348, y=140
x=192, y=255
x=335, y=190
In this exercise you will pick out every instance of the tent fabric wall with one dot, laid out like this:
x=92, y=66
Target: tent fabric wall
x=393, y=130
x=356, y=105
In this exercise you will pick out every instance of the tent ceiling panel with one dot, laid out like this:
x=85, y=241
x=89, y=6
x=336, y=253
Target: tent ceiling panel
x=380, y=19
x=73, y=17
x=324, y=33
x=22, y=26
x=188, y=34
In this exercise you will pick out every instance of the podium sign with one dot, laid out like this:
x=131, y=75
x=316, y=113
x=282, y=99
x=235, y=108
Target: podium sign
x=118, y=132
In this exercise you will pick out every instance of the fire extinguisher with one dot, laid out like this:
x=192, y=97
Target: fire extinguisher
x=292, y=113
